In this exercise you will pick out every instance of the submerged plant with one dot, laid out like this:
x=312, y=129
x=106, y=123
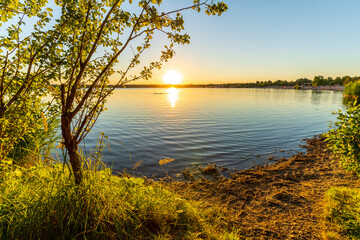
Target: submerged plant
x=165, y=161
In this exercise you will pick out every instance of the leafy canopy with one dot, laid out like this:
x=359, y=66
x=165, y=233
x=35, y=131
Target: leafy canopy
x=25, y=70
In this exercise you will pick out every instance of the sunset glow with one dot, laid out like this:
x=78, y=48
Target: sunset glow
x=172, y=77
x=173, y=95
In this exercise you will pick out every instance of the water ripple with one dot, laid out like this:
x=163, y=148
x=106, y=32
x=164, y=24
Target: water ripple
x=234, y=127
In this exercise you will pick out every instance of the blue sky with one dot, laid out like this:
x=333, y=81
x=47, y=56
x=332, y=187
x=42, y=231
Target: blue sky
x=260, y=40
x=269, y=40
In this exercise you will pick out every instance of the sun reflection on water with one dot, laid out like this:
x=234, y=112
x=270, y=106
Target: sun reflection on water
x=173, y=95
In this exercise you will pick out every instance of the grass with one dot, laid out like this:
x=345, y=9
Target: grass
x=43, y=203
x=343, y=213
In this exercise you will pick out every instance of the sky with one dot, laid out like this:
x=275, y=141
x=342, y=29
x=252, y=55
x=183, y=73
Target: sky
x=260, y=40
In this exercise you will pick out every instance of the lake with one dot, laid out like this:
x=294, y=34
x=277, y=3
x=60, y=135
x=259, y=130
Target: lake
x=236, y=128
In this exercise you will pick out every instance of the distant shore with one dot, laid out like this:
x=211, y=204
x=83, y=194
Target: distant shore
x=320, y=88
x=328, y=87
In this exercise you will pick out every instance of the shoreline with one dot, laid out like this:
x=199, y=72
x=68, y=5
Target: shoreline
x=229, y=86
x=283, y=200
x=319, y=88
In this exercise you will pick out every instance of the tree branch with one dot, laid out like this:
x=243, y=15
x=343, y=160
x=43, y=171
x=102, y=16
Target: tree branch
x=90, y=89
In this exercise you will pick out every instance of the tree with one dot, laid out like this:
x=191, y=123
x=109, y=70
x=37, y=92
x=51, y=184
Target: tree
x=329, y=81
x=303, y=81
x=346, y=80
x=95, y=34
x=318, y=81
x=338, y=81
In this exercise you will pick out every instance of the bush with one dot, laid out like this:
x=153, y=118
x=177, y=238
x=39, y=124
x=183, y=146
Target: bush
x=352, y=89
x=28, y=131
x=36, y=146
x=344, y=138
x=44, y=203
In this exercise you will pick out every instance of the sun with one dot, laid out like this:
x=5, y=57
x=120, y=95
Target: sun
x=172, y=77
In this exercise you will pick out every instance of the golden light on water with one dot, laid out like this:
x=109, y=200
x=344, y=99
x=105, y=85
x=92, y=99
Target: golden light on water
x=173, y=95
x=172, y=77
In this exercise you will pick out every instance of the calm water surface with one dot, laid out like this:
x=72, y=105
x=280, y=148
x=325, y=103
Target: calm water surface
x=236, y=128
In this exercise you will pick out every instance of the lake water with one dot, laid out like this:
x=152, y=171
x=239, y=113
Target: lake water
x=236, y=128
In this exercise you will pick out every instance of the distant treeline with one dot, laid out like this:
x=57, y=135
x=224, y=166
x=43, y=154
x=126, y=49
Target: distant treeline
x=317, y=81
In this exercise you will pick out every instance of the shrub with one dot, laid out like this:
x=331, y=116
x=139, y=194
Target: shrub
x=28, y=131
x=352, y=89
x=36, y=146
x=344, y=138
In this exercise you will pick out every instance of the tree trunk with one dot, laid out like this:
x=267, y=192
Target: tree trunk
x=72, y=148
x=76, y=165
x=2, y=115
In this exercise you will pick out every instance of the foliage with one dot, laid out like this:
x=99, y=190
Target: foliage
x=343, y=210
x=344, y=138
x=28, y=130
x=24, y=71
x=352, y=89
x=322, y=81
x=43, y=203
x=297, y=87
x=317, y=81
x=12, y=8
x=39, y=143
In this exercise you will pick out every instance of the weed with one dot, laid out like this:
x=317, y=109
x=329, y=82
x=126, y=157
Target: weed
x=210, y=169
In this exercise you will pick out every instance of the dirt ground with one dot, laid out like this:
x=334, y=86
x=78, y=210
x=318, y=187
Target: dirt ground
x=283, y=200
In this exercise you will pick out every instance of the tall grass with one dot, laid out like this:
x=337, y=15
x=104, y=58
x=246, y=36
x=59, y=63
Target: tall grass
x=43, y=203
x=343, y=213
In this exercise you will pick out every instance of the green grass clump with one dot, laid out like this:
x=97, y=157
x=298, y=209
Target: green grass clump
x=43, y=203
x=352, y=89
x=343, y=211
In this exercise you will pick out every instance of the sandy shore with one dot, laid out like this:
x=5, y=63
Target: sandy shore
x=283, y=200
